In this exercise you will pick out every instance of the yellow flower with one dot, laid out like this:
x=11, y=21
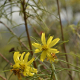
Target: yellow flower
x=46, y=47
x=22, y=65
x=25, y=66
x=52, y=57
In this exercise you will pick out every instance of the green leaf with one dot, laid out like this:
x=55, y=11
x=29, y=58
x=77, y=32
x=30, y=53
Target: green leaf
x=10, y=39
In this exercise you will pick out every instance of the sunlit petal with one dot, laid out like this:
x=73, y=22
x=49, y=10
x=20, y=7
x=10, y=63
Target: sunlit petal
x=16, y=65
x=21, y=58
x=54, y=42
x=43, y=38
x=43, y=56
x=26, y=57
x=31, y=74
x=33, y=70
x=49, y=40
x=29, y=62
x=16, y=57
x=48, y=55
x=51, y=50
x=37, y=51
x=36, y=45
x=24, y=73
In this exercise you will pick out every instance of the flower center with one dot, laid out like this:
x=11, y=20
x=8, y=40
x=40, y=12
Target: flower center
x=44, y=47
x=17, y=72
x=22, y=67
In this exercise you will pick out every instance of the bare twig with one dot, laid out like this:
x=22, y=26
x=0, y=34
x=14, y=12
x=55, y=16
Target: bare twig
x=63, y=39
x=3, y=78
x=25, y=20
x=5, y=59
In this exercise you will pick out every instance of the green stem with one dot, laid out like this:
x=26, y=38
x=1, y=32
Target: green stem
x=53, y=72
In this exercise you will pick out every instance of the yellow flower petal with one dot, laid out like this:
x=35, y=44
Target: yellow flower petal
x=43, y=38
x=24, y=73
x=21, y=58
x=37, y=51
x=26, y=57
x=28, y=71
x=36, y=45
x=54, y=42
x=16, y=65
x=51, y=50
x=33, y=70
x=31, y=74
x=29, y=62
x=16, y=57
x=43, y=56
x=49, y=40
x=51, y=57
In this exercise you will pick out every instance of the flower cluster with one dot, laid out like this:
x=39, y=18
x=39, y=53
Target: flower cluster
x=22, y=65
x=46, y=48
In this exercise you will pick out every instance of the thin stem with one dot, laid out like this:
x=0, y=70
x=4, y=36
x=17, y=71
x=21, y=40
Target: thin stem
x=69, y=64
x=54, y=72
x=5, y=59
x=25, y=20
x=3, y=78
x=63, y=40
x=45, y=66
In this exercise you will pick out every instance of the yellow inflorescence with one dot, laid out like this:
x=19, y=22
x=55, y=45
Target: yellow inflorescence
x=46, y=47
x=22, y=66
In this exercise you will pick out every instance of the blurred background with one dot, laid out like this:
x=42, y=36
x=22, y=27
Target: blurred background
x=42, y=17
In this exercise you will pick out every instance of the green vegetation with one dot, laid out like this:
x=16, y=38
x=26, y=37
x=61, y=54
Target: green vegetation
x=22, y=22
